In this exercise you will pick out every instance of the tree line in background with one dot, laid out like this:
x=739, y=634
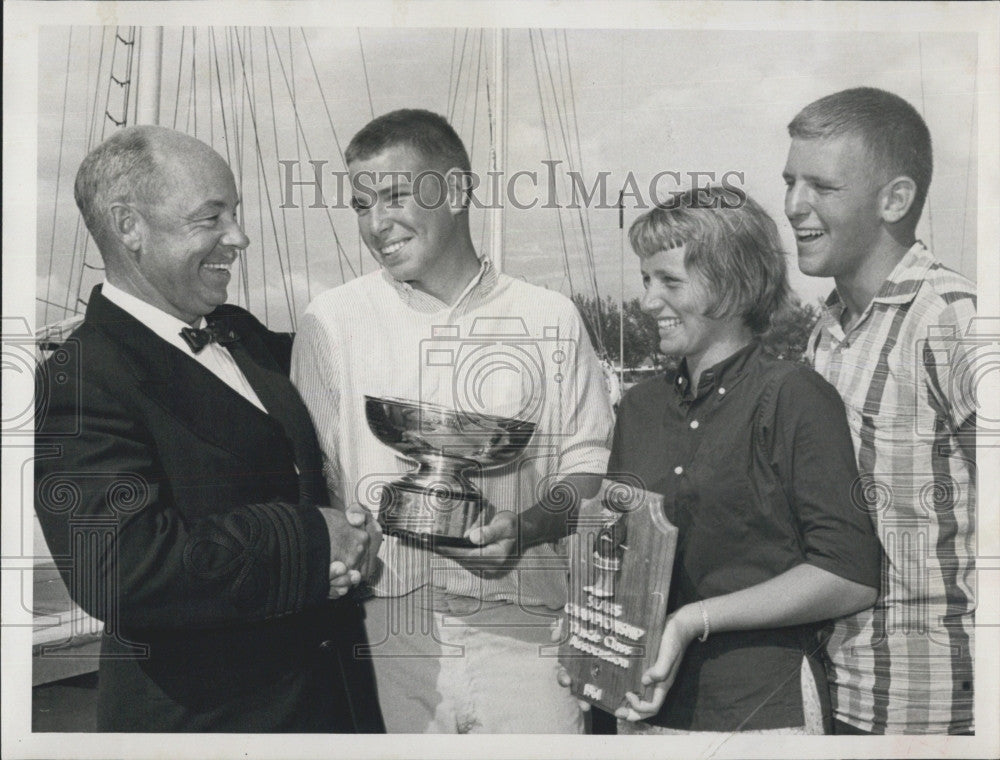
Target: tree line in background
x=787, y=338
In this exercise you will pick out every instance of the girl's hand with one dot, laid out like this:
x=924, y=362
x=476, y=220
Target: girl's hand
x=681, y=628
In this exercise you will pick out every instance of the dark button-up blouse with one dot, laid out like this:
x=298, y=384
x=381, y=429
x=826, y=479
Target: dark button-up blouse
x=758, y=473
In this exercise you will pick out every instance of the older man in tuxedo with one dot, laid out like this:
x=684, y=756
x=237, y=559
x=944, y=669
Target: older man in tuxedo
x=188, y=511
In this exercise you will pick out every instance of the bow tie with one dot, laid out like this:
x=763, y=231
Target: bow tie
x=198, y=338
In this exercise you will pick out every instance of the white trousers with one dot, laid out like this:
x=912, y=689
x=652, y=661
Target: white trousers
x=491, y=671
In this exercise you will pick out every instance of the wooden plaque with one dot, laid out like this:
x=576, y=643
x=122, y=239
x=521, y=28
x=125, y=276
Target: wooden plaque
x=621, y=558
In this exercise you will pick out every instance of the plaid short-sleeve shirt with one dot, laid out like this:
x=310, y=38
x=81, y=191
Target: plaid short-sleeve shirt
x=906, y=372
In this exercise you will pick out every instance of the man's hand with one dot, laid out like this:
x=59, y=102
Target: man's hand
x=681, y=629
x=342, y=580
x=495, y=542
x=354, y=541
x=360, y=517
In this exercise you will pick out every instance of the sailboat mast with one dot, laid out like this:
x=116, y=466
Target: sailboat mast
x=499, y=143
x=150, y=75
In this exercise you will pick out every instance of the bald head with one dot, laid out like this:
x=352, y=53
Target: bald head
x=129, y=167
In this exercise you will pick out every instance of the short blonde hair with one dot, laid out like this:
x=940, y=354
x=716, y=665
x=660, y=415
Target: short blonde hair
x=734, y=245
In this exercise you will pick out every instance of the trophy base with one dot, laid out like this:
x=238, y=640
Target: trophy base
x=430, y=540
x=430, y=515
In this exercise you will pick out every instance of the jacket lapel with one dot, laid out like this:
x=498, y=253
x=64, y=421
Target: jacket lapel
x=182, y=387
x=276, y=392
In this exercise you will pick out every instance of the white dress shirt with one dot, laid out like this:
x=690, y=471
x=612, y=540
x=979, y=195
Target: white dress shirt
x=213, y=357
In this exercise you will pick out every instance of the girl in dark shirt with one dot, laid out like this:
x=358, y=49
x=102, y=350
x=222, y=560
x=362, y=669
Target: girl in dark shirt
x=754, y=458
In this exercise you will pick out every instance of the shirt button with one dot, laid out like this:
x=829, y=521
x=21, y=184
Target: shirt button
x=678, y=470
x=694, y=424
x=722, y=391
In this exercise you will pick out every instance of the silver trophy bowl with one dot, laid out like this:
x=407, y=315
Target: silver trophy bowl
x=437, y=503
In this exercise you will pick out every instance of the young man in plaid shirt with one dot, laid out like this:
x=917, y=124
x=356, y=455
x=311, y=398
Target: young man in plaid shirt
x=894, y=339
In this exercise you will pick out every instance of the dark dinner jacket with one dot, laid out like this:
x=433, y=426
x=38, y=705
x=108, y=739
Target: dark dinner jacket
x=183, y=517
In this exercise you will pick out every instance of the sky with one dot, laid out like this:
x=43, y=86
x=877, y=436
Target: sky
x=619, y=102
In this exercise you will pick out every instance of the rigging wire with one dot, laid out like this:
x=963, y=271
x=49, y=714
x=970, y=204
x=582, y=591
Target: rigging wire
x=923, y=108
x=319, y=85
x=451, y=67
x=237, y=147
x=968, y=163
x=364, y=68
x=576, y=127
x=298, y=157
x=218, y=79
x=194, y=78
x=211, y=91
x=180, y=72
x=491, y=158
x=548, y=148
x=104, y=124
x=137, y=50
x=55, y=204
x=214, y=56
x=90, y=140
x=470, y=87
x=288, y=283
x=192, y=103
x=587, y=248
x=250, y=103
x=458, y=78
x=129, y=70
x=341, y=253
x=261, y=171
x=475, y=95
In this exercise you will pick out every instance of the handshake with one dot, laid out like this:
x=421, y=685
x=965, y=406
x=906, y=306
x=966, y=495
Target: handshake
x=355, y=538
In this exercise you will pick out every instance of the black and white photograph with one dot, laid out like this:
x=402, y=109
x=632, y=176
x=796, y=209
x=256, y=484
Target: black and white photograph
x=336, y=335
